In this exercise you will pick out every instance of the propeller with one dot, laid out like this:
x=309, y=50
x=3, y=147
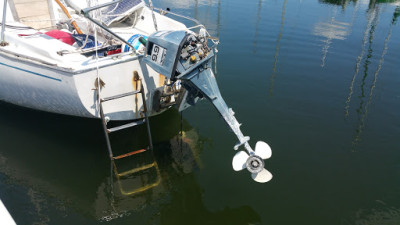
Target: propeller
x=254, y=162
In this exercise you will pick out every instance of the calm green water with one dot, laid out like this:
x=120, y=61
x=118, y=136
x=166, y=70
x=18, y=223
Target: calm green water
x=317, y=80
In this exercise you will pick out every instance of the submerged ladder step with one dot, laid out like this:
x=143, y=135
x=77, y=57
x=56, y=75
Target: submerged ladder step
x=124, y=175
x=120, y=96
x=135, y=170
x=130, y=153
x=132, y=124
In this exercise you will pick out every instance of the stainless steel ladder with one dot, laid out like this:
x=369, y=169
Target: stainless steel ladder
x=108, y=130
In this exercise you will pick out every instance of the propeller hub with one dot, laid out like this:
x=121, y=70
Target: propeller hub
x=255, y=164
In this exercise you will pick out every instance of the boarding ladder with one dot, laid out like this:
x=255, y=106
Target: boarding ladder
x=107, y=131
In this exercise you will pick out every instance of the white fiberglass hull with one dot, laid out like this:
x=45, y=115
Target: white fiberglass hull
x=48, y=89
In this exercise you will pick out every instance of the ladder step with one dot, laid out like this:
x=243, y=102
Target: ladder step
x=130, y=153
x=132, y=124
x=145, y=167
x=120, y=96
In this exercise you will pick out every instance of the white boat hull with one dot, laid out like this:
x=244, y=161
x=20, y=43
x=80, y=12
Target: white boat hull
x=43, y=88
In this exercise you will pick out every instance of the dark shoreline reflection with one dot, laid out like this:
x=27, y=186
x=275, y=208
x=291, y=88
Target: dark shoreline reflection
x=342, y=3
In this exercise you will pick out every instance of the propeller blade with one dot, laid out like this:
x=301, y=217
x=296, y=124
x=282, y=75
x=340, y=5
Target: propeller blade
x=263, y=150
x=239, y=160
x=262, y=177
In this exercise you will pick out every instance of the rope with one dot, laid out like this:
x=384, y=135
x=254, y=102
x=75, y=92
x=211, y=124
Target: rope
x=84, y=44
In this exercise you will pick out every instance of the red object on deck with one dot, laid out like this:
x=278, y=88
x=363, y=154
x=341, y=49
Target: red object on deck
x=62, y=36
x=112, y=52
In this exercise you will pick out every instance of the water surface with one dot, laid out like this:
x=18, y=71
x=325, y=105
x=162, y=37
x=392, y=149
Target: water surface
x=317, y=80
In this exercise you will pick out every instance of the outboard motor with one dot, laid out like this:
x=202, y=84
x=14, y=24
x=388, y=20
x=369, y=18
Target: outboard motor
x=185, y=56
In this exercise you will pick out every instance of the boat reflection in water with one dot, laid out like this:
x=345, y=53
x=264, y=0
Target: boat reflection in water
x=335, y=30
x=65, y=173
x=332, y=30
x=278, y=44
x=366, y=94
x=342, y=3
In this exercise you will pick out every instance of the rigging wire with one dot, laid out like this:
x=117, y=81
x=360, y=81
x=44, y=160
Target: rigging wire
x=154, y=16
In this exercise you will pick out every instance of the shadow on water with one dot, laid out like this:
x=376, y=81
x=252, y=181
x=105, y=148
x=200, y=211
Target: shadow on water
x=61, y=164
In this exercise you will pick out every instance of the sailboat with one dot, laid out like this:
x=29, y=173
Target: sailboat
x=114, y=60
